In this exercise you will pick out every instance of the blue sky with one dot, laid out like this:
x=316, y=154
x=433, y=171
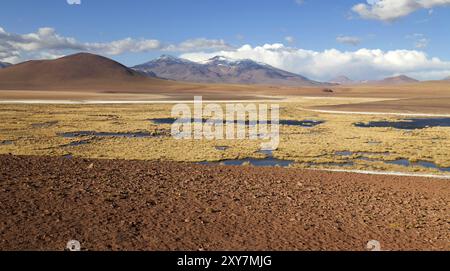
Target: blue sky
x=314, y=26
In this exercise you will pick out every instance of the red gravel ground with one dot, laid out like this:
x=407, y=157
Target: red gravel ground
x=137, y=205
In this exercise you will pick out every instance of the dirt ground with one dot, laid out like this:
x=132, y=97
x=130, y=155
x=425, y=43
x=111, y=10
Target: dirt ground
x=139, y=205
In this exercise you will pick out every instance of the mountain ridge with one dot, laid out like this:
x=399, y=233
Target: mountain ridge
x=220, y=69
x=79, y=71
x=342, y=80
x=397, y=80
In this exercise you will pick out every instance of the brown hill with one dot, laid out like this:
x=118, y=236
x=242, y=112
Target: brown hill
x=397, y=80
x=80, y=71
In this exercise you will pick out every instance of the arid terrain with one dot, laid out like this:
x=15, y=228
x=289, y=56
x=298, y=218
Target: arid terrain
x=146, y=192
x=136, y=205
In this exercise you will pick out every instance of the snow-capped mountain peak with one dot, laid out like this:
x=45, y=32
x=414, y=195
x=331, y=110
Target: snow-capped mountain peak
x=222, y=69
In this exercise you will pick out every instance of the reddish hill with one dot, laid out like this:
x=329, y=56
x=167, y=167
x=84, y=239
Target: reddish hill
x=398, y=80
x=79, y=71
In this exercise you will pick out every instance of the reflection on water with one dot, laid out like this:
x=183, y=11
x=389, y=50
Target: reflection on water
x=268, y=161
x=400, y=162
x=264, y=162
x=425, y=164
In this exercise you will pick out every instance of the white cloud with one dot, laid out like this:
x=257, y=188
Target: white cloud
x=348, y=40
x=360, y=64
x=45, y=42
x=198, y=45
x=122, y=46
x=321, y=65
x=289, y=39
x=299, y=2
x=74, y=2
x=420, y=41
x=390, y=10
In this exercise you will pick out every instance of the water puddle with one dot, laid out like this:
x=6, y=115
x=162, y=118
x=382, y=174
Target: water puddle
x=44, y=124
x=104, y=134
x=424, y=164
x=268, y=161
x=408, y=124
x=77, y=143
x=265, y=162
x=374, y=143
x=303, y=123
x=6, y=142
x=221, y=148
x=399, y=162
x=344, y=153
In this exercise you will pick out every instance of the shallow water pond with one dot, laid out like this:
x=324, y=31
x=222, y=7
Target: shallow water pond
x=262, y=162
x=425, y=164
x=268, y=161
x=399, y=162
x=302, y=123
x=408, y=124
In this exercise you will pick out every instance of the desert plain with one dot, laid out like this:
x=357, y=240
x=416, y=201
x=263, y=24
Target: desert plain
x=97, y=167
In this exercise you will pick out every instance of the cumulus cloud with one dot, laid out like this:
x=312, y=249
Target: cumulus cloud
x=46, y=41
x=348, y=40
x=122, y=46
x=361, y=64
x=390, y=10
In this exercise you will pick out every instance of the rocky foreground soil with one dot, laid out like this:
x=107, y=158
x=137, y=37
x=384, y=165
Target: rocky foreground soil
x=138, y=205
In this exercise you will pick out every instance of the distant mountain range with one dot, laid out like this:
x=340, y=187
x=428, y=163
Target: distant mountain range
x=395, y=80
x=89, y=71
x=224, y=70
x=447, y=78
x=4, y=64
x=342, y=80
